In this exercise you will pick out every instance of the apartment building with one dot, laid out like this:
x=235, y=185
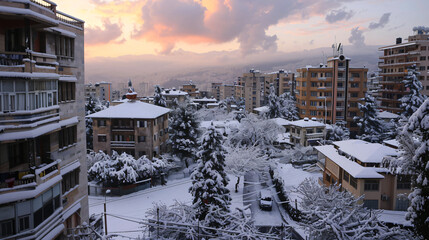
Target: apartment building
x=191, y=89
x=134, y=127
x=331, y=92
x=43, y=173
x=393, y=68
x=100, y=90
x=306, y=132
x=171, y=94
x=356, y=166
x=256, y=86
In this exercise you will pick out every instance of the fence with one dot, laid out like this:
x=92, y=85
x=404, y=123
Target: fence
x=98, y=190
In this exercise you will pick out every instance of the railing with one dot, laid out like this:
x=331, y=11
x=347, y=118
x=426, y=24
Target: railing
x=45, y=3
x=63, y=17
x=401, y=54
x=122, y=143
x=45, y=171
x=17, y=178
x=393, y=73
x=12, y=58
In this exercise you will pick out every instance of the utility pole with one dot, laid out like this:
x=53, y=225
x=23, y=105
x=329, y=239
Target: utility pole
x=157, y=221
x=105, y=216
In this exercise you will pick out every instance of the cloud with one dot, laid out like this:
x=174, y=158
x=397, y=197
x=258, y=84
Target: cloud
x=381, y=23
x=219, y=21
x=339, y=15
x=109, y=33
x=357, y=38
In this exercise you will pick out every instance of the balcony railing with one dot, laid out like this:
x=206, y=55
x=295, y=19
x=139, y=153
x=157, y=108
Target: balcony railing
x=12, y=58
x=65, y=18
x=45, y=3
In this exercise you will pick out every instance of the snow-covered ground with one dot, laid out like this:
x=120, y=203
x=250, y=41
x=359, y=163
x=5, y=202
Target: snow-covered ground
x=134, y=206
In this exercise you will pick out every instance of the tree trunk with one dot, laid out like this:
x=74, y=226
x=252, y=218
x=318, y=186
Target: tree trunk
x=236, y=184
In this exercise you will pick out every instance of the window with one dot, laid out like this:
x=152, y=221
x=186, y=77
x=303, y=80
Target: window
x=422, y=68
x=403, y=182
x=328, y=74
x=101, y=123
x=423, y=58
x=346, y=176
x=353, y=182
x=141, y=138
x=66, y=91
x=402, y=204
x=102, y=138
x=313, y=103
x=24, y=223
x=7, y=227
x=304, y=84
x=370, y=204
x=355, y=85
x=313, y=75
x=64, y=46
x=423, y=48
x=303, y=103
x=313, y=84
x=304, y=93
x=354, y=94
x=371, y=185
x=70, y=180
x=319, y=130
x=310, y=131
x=154, y=137
x=67, y=136
x=141, y=123
x=355, y=75
x=313, y=113
x=353, y=104
x=314, y=94
x=15, y=40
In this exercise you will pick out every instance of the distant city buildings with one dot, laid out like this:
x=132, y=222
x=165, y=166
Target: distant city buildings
x=393, y=67
x=223, y=91
x=256, y=86
x=331, y=91
x=101, y=90
x=171, y=94
x=43, y=172
x=191, y=89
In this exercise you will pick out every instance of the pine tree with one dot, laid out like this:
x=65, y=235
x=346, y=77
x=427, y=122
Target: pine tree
x=337, y=132
x=289, y=111
x=158, y=99
x=412, y=101
x=274, y=107
x=209, y=179
x=416, y=162
x=183, y=133
x=370, y=126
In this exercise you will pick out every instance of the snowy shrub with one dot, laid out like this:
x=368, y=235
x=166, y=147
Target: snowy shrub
x=337, y=132
x=328, y=213
x=123, y=169
x=299, y=155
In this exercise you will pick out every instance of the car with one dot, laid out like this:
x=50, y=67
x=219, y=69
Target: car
x=265, y=200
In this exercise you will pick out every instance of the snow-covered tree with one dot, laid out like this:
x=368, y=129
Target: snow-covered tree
x=414, y=160
x=253, y=131
x=183, y=133
x=158, y=99
x=412, y=101
x=274, y=105
x=329, y=213
x=299, y=155
x=242, y=159
x=337, y=132
x=371, y=128
x=289, y=111
x=93, y=105
x=209, y=179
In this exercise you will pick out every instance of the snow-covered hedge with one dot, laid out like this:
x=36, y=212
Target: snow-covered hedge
x=122, y=169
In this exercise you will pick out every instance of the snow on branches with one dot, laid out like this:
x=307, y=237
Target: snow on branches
x=158, y=99
x=283, y=106
x=371, y=127
x=412, y=101
x=329, y=213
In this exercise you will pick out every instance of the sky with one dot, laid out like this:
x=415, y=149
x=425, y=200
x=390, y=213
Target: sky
x=134, y=27
x=238, y=30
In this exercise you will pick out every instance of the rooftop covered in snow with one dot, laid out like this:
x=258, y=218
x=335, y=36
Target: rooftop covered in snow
x=173, y=92
x=353, y=168
x=133, y=110
x=281, y=121
x=365, y=151
x=307, y=123
x=387, y=115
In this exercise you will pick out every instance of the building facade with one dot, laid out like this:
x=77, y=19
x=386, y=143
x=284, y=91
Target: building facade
x=393, y=68
x=101, y=90
x=256, y=86
x=43, y=173
x=360, y=173
x=331, y=92
x=171, y=94
x=306, y=132
x=191, y=89
x=134, y=127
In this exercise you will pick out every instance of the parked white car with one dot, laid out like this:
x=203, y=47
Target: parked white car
x=265, y=200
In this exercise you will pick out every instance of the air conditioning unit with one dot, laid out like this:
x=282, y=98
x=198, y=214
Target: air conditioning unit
x=384, y=197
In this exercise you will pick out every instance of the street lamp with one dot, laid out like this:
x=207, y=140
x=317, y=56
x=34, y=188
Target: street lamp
x=105, y=216
x=326, y=110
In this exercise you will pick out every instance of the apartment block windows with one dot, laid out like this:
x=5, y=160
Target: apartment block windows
x=328, y=74
x=314, y=84
x=141, y=124
x=304, y=84
x=64, y=46
x=346, y=176
x=403, y=182
x=66, y=91
x=371, y=185
x=355, y=75
x=67, y=136
x=101, y=123
x=15, y=40
x=423, y=58
x=46, y=204
x=353, y=182
x=141, y=138
x=102, y=138
x=70, y=180
x=314, y=75
x=422, y=68
x=354, y=85
x=313, y=113
x=354, y=95
x=313, y=94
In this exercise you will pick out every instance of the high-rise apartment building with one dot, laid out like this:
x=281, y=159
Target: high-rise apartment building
x=393, y=67
x=43, y=173
x=191, y=89
x=337, y=85
x=256, y=86
x=100, y=90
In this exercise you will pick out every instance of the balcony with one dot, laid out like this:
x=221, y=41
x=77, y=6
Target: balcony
x=28, y=179
x=382, y=64
x=401, y=54
x=28, y=62
x=393, y=73
x=69, y=20
x=125, y=144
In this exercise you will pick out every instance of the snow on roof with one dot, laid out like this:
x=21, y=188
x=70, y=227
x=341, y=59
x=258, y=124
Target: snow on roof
x=212, y=104
x=307, y=123
x=68, y=78
x=62, y=31
x=226, y=123
x=392, y=142
x=133, y=110
x=365, y=151
x=281, y=121
x=261, y=109
x=353, y=168
x=398, y=45
x=395, y=217
x=204, y=100
x=168, y=92
x=387, y=115
x=283, y=138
